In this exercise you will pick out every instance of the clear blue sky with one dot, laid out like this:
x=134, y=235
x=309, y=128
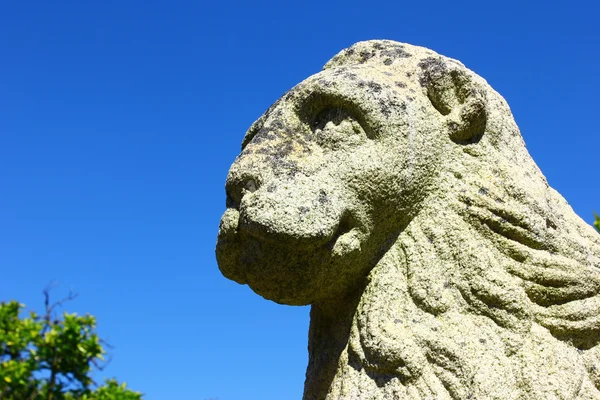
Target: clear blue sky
x=119, y=120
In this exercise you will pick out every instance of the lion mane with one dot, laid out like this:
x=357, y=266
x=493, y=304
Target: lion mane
x=490, y=290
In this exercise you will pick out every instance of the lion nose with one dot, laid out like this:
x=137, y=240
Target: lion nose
x=236, y=189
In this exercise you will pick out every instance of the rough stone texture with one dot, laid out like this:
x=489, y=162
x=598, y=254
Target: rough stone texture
x=393, y=192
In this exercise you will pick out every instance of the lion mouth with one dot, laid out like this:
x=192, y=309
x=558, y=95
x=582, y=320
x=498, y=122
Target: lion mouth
x=347, y=237
x=345, y=226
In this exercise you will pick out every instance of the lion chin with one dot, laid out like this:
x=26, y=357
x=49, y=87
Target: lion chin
x=392, y=192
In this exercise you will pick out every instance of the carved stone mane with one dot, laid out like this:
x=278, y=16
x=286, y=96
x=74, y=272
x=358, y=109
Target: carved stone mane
x=393, y=192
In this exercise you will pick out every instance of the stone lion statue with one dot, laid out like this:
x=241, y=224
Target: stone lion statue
x=393, y=192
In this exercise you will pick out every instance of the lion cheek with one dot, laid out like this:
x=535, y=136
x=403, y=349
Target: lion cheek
x=293, y=215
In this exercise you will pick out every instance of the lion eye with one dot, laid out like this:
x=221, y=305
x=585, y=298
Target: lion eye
x=336, y=128
x=334, y=115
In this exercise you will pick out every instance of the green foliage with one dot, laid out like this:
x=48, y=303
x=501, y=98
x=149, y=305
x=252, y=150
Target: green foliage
x=112, y=390
x=597, y=222
x=48, y=358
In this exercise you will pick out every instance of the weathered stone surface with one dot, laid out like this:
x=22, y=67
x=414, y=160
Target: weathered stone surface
x=393, y=192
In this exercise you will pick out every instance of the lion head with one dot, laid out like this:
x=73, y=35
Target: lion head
x=398, y=177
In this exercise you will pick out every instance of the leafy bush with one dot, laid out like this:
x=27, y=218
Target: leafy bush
x=42, y=357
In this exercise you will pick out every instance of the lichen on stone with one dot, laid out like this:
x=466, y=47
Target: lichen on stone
x=393, y=192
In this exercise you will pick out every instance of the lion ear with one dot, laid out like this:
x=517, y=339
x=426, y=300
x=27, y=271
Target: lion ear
x=457, y=97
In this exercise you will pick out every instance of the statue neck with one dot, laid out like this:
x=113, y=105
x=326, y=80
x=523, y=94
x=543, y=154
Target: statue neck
x=330, y=325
